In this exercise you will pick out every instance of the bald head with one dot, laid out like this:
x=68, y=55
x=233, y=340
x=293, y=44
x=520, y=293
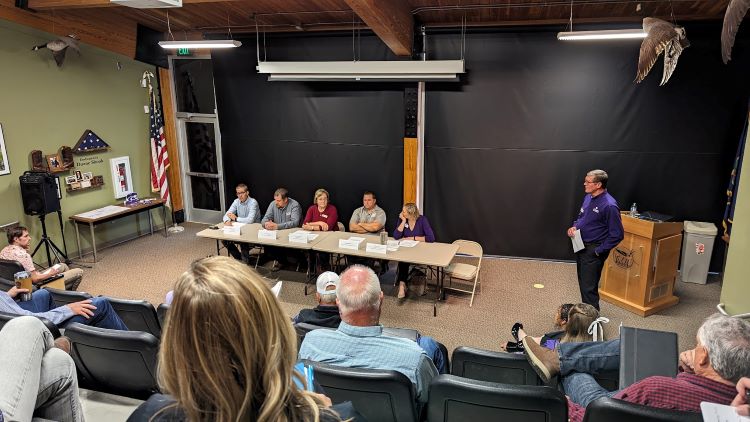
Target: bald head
x=359, y=296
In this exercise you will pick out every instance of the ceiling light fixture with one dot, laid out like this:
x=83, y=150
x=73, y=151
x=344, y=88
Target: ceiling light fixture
x=200, y=44
x=613, y=34
x=402, y=70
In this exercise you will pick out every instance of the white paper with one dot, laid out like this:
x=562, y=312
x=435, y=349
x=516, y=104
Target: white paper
x=408, y=243
x=299, y=236
x=233, y=229
x=102, y=212
x=577, y=241
x=267, y=234
x=276, y=289
x=392, y=245
x=376, y=248
x=349, y=244
x=312, y=236
x=357, y=239
x=713, y=412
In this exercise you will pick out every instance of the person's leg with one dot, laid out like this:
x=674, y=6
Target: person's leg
x=593, y=357
x=245, y=252
x=72, y=278
x=431, y=347
x=58, y=388
x=41, y=301
x=583, y=388
x=104, y=316
x=232, y=249
x=403, y=271
x=23, y=342
x=590, y=270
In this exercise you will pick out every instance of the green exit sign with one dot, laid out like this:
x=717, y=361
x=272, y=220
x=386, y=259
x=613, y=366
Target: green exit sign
x=183, y=52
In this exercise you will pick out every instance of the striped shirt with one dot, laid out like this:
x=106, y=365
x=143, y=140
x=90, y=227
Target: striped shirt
x=367, y=347
x=57, y=315
x=246, y=212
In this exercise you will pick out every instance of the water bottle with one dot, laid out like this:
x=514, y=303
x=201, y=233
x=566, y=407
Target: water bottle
x=383, y=237
x=633, y=210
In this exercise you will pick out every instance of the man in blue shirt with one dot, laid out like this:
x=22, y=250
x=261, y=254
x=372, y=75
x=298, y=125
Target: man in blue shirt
x=245, y=210
x=601, y=230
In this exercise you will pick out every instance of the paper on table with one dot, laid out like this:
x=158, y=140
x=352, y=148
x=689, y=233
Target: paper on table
x=577, y=241
x=392, y=245
x=276, y=289
x=356, y=238
x=312, y=236
x=713, y=412
x=408, y=243
x=235, y=228
x=102, y=212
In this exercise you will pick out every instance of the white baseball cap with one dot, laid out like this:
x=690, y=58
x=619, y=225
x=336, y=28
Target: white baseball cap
x=328, y=278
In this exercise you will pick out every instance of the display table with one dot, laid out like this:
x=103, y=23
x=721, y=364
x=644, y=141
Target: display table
x=640, y=272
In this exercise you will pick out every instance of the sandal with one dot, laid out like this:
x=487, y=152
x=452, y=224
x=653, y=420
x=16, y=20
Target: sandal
x=513, y=347
x=514, y=331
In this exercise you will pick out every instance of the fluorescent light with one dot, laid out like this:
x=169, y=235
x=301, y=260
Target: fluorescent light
x=406, y=70
x=200, y=44
x=615, y=34
x=148, y=4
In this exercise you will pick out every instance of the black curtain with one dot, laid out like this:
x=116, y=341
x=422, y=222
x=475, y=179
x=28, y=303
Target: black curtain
x=344, y=137
x=507, y=148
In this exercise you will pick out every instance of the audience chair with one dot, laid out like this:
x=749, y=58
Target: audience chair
x=161, y=313
x=8, y=268
x=455, y=398
x=5, y=317
x=613, y=410
x=302, y=328
x=464, y=271
x=64, y=297
x=486, y=365
x=138, y=315
x=115, y=362
x=6, y=284
x=379, y=395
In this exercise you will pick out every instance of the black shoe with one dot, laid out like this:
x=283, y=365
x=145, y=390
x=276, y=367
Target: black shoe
x=514, y=331
x=513, y=347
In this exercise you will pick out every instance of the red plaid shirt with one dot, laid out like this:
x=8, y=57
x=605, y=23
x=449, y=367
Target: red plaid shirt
x=686, y=392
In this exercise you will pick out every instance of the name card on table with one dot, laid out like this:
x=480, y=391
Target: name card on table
x=233, y=229
x=392, y=245
x=267, y=234
x=376, y=248
x=299, y=236
x=349, y=244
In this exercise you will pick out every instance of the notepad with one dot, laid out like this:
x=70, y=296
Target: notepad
x=714, y=412
x=408, y=243
x=577, y=241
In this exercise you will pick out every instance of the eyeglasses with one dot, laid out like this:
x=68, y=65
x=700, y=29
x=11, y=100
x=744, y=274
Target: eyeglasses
x=241, y=193
x=586, y=182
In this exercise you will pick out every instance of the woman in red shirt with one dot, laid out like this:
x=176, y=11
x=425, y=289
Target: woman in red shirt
x=323, y=217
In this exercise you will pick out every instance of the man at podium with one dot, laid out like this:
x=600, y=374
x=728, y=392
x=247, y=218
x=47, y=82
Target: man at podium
x=601, y=230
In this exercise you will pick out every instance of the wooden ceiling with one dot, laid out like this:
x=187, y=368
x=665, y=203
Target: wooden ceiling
x=112, y=27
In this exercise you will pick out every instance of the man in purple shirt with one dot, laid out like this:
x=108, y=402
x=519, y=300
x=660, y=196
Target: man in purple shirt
x=601, y=230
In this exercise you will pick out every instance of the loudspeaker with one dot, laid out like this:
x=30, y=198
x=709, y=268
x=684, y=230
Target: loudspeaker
x=410, y=112
x=39, y=193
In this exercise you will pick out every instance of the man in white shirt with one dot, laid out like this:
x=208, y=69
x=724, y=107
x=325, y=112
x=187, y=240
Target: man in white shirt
x=244, y=209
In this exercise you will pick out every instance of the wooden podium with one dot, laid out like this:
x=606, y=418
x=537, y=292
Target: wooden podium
x=640, y=272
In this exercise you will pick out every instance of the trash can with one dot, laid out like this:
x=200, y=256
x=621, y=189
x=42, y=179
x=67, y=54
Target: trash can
x=697, y=245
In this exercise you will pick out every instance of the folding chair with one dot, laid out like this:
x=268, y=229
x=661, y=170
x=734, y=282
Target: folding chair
x=463, y=271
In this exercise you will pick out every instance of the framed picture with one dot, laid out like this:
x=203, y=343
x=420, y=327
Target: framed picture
x=4, y=165
x=79, y=176
x=88, y=175
x=54, y=163
x=69, y=180
x=122, y=180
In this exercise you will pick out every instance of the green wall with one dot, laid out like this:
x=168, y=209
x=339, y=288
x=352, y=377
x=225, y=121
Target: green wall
x=44, y=107
x=735, y=293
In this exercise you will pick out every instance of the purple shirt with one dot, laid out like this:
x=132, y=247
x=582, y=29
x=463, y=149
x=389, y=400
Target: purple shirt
x=421, y=228
x=599, y=221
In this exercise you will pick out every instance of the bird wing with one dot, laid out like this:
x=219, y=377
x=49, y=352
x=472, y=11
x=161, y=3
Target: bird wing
x=71, y=42
x=671, y=54
x=59, y=56
x=659, y=34
x=736, y=11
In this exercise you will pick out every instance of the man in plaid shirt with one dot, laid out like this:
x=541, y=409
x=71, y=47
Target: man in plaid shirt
x=709, y=372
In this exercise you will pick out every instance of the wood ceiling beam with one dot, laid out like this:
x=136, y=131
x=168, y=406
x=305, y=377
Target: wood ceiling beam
x=391, y=20
x=82, y=4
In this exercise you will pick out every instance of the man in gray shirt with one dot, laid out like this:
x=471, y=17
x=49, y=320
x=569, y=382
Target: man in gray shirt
x=245, y=210
x=368, y=218
x=283, y=213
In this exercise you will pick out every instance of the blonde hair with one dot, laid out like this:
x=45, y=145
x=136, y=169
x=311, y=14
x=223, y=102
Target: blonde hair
x=228, y=350
x=318, y=193
x=580, y=317
x=411, y=209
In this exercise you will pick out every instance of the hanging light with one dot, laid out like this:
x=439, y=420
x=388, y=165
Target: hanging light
x=200, y=44
x=613, y=34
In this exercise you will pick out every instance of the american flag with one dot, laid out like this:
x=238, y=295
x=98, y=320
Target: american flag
x=159, y=157
x=90, y=141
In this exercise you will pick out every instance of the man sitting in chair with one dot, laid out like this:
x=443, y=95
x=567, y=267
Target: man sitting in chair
x=18, y=250
x=709, y=372
x=244, y=210
x=326, y=314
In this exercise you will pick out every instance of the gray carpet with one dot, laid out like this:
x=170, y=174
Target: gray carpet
x=146, y=268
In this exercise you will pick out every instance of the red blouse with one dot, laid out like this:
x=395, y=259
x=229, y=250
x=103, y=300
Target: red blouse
x=329, y=216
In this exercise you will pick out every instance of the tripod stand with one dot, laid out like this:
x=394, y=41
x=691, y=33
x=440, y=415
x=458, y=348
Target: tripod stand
x=60, y=256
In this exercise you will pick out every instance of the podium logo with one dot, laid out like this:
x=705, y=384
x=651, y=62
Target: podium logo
x=623, y=257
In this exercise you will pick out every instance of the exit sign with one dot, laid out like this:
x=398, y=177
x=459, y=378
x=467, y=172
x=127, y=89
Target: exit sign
x=183, y=52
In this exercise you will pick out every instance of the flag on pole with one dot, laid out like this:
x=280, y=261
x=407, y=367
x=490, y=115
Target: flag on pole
x=159, y=156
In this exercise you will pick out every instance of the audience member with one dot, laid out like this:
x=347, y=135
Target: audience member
x=18, y=250
x=559, y=320
x=321, y=216
x=97, y=311
x=38, y=377
x=412, y=226
x=326, y=314
x=741, y=400
x=359, y=341
x=282, y=213
x=244, y=210
x=216, y=369
x=369, y=218
x=709, y=371
x=582, y=323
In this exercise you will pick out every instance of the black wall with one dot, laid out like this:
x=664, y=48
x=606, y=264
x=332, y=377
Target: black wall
x=508, y=147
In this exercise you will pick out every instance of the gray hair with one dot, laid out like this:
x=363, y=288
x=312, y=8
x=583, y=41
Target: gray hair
x=328, y=298
x=281, y=192
x=358, y=290
x=599, y=176
x=727, y=341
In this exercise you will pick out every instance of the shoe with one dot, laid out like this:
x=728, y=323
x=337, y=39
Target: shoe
x=545, y=362
x=276, y=266
x=514, y=347
x=401, y=290
x=63, y=343
x=514, y=331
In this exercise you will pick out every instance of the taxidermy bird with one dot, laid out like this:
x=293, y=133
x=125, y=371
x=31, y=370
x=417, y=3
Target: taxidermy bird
x=661, y=37
x=59, y=46
x=736, y=11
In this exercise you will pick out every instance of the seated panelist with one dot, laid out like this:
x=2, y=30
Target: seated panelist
x=413, y=226
x=369, y=218
x=283, y=213
x=244, y=209
x=321, y=216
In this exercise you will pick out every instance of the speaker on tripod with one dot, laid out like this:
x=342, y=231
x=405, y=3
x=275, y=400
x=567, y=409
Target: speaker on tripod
x=39, y=196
